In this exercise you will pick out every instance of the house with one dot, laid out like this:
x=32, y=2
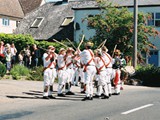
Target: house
x=10, y=13
x=51, y=20
x=87, y=8
x=29, y=5
x=13, y=11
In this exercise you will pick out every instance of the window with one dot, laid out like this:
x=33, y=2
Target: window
x=37, y=22
x=155, y=20
x=17, y=23
x=67, y=21
x=5, y=21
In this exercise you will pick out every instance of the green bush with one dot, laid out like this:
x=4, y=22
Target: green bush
x=2, y=70
x=19, y=40
x=18, y=71
x=149, y=75
x=36, y=74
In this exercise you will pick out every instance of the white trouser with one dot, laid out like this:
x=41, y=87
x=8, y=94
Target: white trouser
x=49, y=77
x=81, y=75
x=76, y=75
x=102, y=84
x=62, y=78
x=118, y=80
x=70, y=72
x=108, y=79
x=89, y=75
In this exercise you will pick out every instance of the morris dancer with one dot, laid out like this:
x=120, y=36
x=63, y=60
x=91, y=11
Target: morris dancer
x=70, y=71
x=87, y=57
x=62, y=74
x=101, y=73
x=49, y=72
x=108, y=65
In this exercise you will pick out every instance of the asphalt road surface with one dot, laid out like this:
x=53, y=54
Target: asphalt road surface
x=134, y=103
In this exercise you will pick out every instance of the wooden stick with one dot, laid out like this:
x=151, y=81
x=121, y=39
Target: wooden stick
x=81, y=42
x=71, y=43
x=60, y=43
x=114, y=50
x=104, y=42
x=100, y=45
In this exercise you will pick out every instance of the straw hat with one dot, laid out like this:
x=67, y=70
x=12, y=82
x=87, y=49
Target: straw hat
x=51, y=47
x=70, y=49
x=104, y=48
x=117, y=52
x=89, y=44
x=61, y=50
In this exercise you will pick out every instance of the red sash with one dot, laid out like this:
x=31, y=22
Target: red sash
x=110, y=59
x=99, y=69
x=85, y=66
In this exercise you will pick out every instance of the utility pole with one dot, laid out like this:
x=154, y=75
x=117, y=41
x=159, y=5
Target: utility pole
x=135, y=33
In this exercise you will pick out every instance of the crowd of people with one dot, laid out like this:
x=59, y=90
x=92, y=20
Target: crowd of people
x=9, y=55
x=74, y=66
x=71, y=67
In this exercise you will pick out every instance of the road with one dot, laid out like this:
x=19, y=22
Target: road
x=22, y=100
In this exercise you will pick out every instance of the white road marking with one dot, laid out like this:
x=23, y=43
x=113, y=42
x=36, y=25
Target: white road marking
x=136, y=109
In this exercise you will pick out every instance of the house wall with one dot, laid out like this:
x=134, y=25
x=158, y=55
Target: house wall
x=79, y=17
x=81, y=14
x=8, y=29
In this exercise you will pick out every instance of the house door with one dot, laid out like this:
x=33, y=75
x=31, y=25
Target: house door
x=153, y=58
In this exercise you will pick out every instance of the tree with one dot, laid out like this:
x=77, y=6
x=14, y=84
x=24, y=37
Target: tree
x=116, y=25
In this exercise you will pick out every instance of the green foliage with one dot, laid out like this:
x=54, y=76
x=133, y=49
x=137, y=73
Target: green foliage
x=37, y=74
x=20, y=40
x=2, y=70
x=116, y=25
x=149, y=75
x=19, y=70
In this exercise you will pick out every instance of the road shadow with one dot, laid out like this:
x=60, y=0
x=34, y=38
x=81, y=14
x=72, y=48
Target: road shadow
x=39, y=95
x=15, y=115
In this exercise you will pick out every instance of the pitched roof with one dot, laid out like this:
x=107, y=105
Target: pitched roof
x=93, y=4
x=29, y=5
x=140, y=2
x=11, y=8
x=54, y=15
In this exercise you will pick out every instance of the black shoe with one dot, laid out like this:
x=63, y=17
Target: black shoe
x=105, y=97
x=46, y=97
x=102, y=94
x=96, y=96
x=83, y=92
x=51, y=97
x=70, y=93
x=116, y=94
x=110, y=94
x=86, y=98
x=61, y=95
x=90, y=98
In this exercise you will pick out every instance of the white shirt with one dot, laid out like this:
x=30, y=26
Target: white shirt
x=99, y=63
x=107, y=59
x=13, y=51
x=69, y=60
x=45, y=62
x=85, y=57
x=60, y=61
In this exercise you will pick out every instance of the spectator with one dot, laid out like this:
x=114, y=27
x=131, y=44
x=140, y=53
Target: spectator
x=35, y=56
x=2, y=51
x=20, y=57
x=8, y=56
x=13, y=52
x=27, y=56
